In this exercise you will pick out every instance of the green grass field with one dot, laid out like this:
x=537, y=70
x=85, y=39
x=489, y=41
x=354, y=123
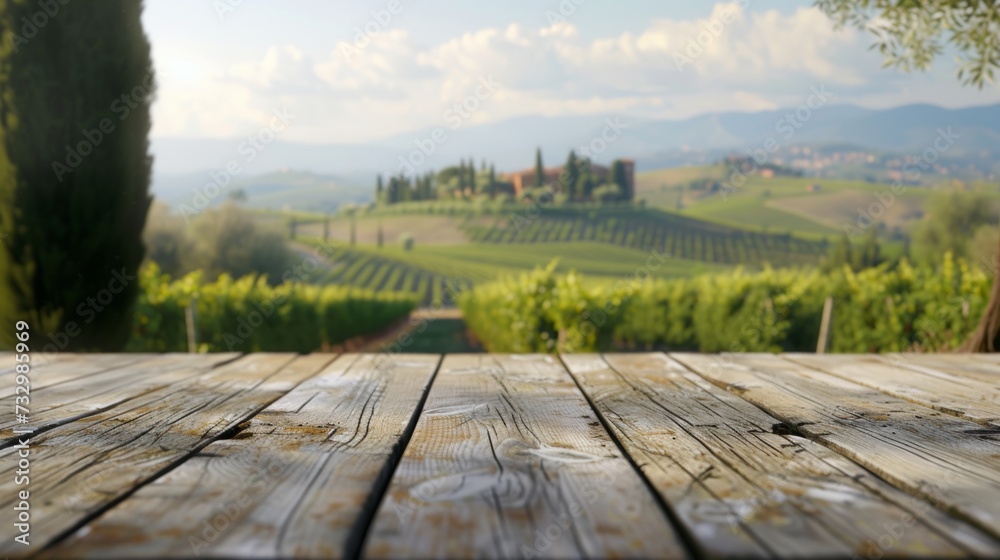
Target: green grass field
x=652, y=230
x=438, y=273
x=755, y=212
x=654, y=180
x=487, y=261
x=782, y=204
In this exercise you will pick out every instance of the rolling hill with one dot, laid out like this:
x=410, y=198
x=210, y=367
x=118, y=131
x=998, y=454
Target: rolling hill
x=439, y=274
x=653, y=143
x=280, y=190
x=452, y=253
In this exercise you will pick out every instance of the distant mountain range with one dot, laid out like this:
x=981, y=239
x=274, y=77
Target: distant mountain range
x=181, y=164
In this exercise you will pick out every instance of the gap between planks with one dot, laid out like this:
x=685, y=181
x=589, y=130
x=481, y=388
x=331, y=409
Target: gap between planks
x=300, y=478
x=508, y=460
x=96, y=462
x=945, y=460
x=95, y=392
x=938, y=386
x=242, y=458
x=741, y=489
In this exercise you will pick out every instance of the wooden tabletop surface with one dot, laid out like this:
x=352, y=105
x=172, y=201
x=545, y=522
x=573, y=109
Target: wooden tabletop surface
x=515, y=456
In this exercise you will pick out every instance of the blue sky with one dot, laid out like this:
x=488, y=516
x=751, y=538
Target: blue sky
x=223, y=71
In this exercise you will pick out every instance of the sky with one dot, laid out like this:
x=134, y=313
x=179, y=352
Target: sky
x=356, y=71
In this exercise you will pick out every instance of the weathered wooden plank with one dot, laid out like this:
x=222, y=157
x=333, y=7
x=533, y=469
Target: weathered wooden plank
x=946, y=460
x=743, y=490
x=508, y=460
x=36, y=359
x=7, y=363
x=81, y=468
x=72, y=366
x=301, y=479
x=988, y=357
x=959, y=396
x=959, y=365
x=62, y=403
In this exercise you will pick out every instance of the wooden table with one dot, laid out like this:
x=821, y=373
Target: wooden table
x=520, y=456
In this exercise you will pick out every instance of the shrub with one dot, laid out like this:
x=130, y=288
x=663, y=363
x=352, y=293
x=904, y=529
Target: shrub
x=248, y=315
x=406, y=240
x=879, y=309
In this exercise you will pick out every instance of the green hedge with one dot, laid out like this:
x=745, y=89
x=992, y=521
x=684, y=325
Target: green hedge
x=876, y=310
x=247, y=315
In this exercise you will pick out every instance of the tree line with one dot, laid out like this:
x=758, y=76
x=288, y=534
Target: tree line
x=578, y=182
x=462, y=181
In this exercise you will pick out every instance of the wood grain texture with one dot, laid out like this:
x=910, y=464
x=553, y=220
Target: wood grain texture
x=294, y=482
x=987, y=357
x=743, y=490
x=81, y=468
x=59, y=404
x=38, y=359
x=959, y=396
x=959, y=365
x=73, y=366
x=946, y=460
x=508, y=460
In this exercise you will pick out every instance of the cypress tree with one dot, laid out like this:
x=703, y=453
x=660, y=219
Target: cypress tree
x=379, y=189
x=872, y=255
x=618, y=177
x=585, y=181
x=587, y=184
x=841, y=254
x=539, y=169
x=392, y=191
x=491, y=186
x=569, y=175
x=403, y=192
x=74, y=171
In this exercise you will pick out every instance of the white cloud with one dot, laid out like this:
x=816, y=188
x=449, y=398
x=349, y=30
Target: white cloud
x=729, y=48
x=735, y=60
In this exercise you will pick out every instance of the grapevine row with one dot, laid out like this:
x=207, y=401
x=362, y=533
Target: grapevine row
x=686, y=239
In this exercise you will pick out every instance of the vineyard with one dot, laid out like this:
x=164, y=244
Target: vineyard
x=247, y=315
x=436, y=275
x=876, y=310
x=605, y=244
x=370, y=270
x=642, y=229
x=650, y=230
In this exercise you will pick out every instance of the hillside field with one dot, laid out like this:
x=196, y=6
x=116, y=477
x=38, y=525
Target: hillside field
x=673, y=234
x=786, y=204
x=455, y=248
x=780, y=222
x=425, y=229
x=438, y=273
